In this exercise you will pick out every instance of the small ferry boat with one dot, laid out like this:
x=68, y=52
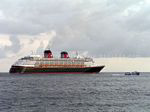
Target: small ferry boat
x=49, y=64
x=132, y=73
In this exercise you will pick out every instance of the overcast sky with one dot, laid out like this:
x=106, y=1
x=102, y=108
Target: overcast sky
x=93, y=27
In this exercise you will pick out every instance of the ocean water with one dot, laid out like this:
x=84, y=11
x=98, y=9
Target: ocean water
x=104, y=92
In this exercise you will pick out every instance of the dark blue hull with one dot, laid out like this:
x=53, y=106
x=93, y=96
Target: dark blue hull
x=21, y=69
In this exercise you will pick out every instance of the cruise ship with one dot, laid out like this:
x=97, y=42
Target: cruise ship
x=47, y=64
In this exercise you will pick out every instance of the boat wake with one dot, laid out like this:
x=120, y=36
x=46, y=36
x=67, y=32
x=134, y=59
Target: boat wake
x=117, y=74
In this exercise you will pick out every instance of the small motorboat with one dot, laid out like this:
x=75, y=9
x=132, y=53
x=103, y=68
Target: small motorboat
x=132, y=73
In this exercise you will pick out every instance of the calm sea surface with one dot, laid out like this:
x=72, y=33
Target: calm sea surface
x=104, y=92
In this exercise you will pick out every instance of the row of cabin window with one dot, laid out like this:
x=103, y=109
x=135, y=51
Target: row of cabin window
x=60, y=62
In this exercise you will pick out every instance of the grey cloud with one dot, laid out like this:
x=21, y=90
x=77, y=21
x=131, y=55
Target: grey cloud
x=15, y=47
x=140, y=22
x=94, y=26
x=2, y=53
